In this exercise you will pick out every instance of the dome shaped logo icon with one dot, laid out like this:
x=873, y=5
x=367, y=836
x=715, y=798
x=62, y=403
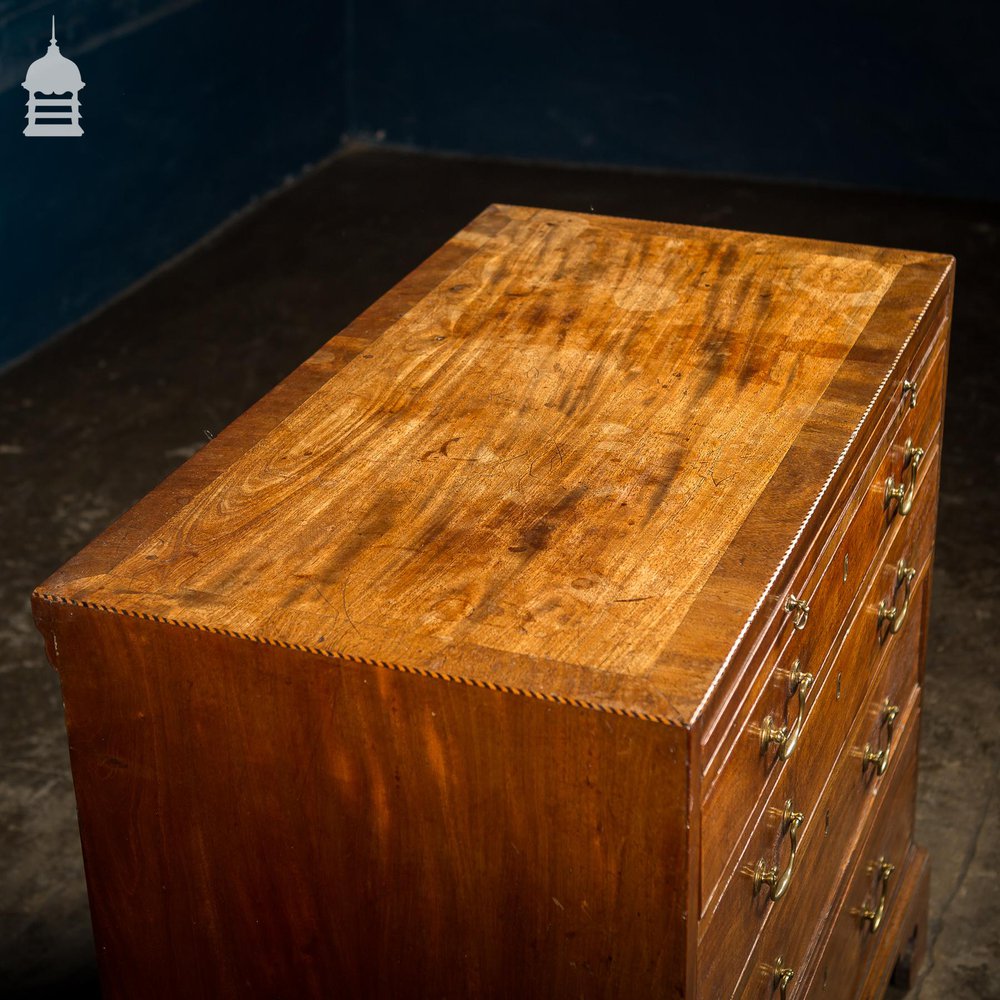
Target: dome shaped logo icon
x=53, y=84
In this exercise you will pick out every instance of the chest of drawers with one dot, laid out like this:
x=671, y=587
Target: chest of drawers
x=555, y=631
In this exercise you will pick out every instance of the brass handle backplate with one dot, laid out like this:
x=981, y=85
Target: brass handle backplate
x=768, y=875
x=783, y=975
x=783, y=737
x=799, y=610
x=903, y=493
x=874, y=917
x=879, y=759
x=895, y=616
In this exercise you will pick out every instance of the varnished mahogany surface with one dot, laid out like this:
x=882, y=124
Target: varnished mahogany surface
x=576, y=458
x=849, y=954
x=893, y=422
x=830, y=828
x=266, y=822
x=797, y=934
x=832, y=703
x=548, y=470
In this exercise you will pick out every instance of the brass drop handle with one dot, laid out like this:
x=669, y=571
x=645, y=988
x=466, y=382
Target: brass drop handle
x=896, y=616
x=904, y=493
x=799, y=610
x=874, y=917
x=913, y=458
x=783, y=975
x=910, y=389
x=768, y=875
x=782, y=737
x=879, y=759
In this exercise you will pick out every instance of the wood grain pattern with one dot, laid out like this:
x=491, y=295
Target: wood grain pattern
x=834, y=509
x=839, y=975
x=833, y=796
x=530, y=479
x=570, y=463
x=849, y=964
x=902, y=944
x=845, y=667
x=864, y=523
x=288, y=824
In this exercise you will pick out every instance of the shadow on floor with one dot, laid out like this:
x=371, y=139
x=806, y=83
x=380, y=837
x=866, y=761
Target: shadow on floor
x=81, y=985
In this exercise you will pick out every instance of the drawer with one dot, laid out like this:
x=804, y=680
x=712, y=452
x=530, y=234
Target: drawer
x=873, y=883
x=840, y=970
x=830, y=814
x=918, y=387
x=919, y=390
x=894, y=484
x=833, y=697
x=852, y=538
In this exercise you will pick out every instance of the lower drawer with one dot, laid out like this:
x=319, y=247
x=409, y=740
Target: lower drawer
x=783, y=951
x=866, y=906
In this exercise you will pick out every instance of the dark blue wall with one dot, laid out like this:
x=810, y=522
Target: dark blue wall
x=193, y=107
x=190, y=109
x=889, y=94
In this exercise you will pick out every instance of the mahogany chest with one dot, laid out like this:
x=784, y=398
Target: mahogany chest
x=557, y=630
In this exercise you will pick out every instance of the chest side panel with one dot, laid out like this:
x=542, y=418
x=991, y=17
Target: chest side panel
x=279, y=816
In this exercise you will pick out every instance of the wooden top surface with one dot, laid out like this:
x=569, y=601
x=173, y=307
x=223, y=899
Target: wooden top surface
x=565, y=457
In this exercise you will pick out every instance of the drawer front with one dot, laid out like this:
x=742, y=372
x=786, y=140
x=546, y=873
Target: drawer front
x=829, y=824
x=840, y=970
x=833, y=696
x=895, y=485
x=918, y=385
x=856, y=538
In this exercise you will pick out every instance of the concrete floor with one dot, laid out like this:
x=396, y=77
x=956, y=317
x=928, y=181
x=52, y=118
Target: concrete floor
x=97, y=418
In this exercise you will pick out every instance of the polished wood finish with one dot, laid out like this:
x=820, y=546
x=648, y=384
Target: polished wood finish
x=849, y=957
x=839, y=684
x=261, y=817
x=903, y=943
x=831, y=798
x=794, y=939
x=662, y=379
x=438, y=672
x=865, y=490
